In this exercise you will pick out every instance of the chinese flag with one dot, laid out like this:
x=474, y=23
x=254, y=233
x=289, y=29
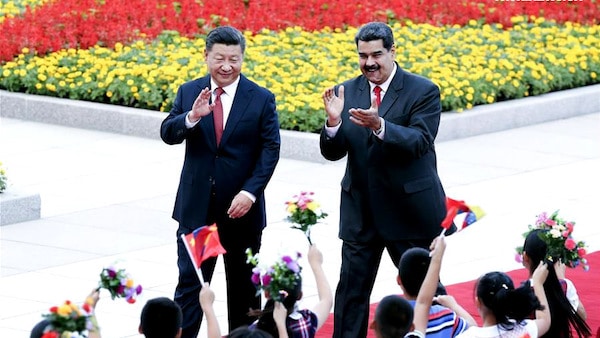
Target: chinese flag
x=455, y=207
x=203, y=243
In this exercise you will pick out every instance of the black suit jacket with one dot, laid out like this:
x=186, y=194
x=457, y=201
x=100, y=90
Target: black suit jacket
x=390, y=187
x=245, y=159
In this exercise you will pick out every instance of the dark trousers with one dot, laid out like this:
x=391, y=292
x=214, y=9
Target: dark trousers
x=241, y=293
x=360, y=263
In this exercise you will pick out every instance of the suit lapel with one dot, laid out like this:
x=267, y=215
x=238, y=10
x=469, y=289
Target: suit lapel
x=393, y=93
x=238, y=108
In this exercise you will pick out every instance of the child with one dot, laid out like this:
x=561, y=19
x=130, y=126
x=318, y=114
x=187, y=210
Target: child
x=305, y=322
x=448, y=319
x=504, y=309
x=567, y=313
x=284, y=319
x=161, y=317
x=41, y=327
x=207, y=298
x=395, y=317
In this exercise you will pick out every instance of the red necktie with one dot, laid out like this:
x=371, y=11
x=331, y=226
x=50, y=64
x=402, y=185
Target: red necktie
x=377, y=91
x=218, y=114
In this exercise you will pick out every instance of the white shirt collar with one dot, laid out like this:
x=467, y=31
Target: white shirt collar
x=384, y=86
x=229, y=89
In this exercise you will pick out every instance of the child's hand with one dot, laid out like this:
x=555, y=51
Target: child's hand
x=446, y=301
x=437, y=247
x=207, y=296
x=540, y=274
x=315, y=256
x=279, y=313
x=92, y=298
x=560, y=269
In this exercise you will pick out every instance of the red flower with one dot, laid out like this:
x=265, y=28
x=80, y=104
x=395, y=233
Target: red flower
x=54, y=309
x=50, y=334
x=570, y=244
x=581, y=252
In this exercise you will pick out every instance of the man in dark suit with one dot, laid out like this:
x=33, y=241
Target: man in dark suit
x=385, y=121
x=224, y=176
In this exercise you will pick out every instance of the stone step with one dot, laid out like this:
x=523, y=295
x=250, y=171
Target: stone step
x=18, y=205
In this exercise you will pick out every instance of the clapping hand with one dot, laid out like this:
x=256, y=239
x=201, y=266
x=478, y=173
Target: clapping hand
x=366, y=117
x=333, y=105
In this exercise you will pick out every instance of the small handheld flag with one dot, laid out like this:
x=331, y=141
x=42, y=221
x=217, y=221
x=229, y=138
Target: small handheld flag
x=455, y=207
x=202, y=244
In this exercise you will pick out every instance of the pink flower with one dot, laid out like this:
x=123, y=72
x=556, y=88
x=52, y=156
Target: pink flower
x=256, y=276
x=570, y=226
x=541, y=218
x=570, y=244
x=266, y=280
x=518, y=258
x=581, y=252
x=550, y=222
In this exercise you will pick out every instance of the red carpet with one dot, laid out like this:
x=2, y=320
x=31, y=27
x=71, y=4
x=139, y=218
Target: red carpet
x=587, y=283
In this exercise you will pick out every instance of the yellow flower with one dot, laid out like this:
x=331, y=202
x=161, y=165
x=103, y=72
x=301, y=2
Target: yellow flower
x=64, y=310
x=291, y=208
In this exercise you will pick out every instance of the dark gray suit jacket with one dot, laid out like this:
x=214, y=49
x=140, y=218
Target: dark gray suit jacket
x=390, y=188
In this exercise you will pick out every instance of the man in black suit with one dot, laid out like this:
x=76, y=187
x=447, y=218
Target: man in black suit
x=385, y=121
x=224, y=176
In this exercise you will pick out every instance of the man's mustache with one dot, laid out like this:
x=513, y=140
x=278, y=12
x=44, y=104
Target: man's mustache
x=371, y=68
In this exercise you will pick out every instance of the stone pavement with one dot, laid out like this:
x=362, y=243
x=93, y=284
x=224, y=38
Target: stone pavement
x=107, y=197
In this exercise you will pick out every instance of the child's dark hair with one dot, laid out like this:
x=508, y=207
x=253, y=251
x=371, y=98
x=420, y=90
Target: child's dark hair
x=412, y=269
x=563, y=316
x=245, y=332
x=265, y=317
x=39, y=328
x=497, y=292
x=161, y=317
x=394, y=316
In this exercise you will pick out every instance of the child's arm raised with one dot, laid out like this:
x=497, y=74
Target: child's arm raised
x=322, y=308
x=429, y=286
x=207, y=298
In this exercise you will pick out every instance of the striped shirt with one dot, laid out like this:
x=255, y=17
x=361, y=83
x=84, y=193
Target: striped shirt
x=443, y=322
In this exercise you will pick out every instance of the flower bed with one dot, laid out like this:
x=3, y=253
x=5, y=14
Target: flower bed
x=85, y=23
x=472, y=62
